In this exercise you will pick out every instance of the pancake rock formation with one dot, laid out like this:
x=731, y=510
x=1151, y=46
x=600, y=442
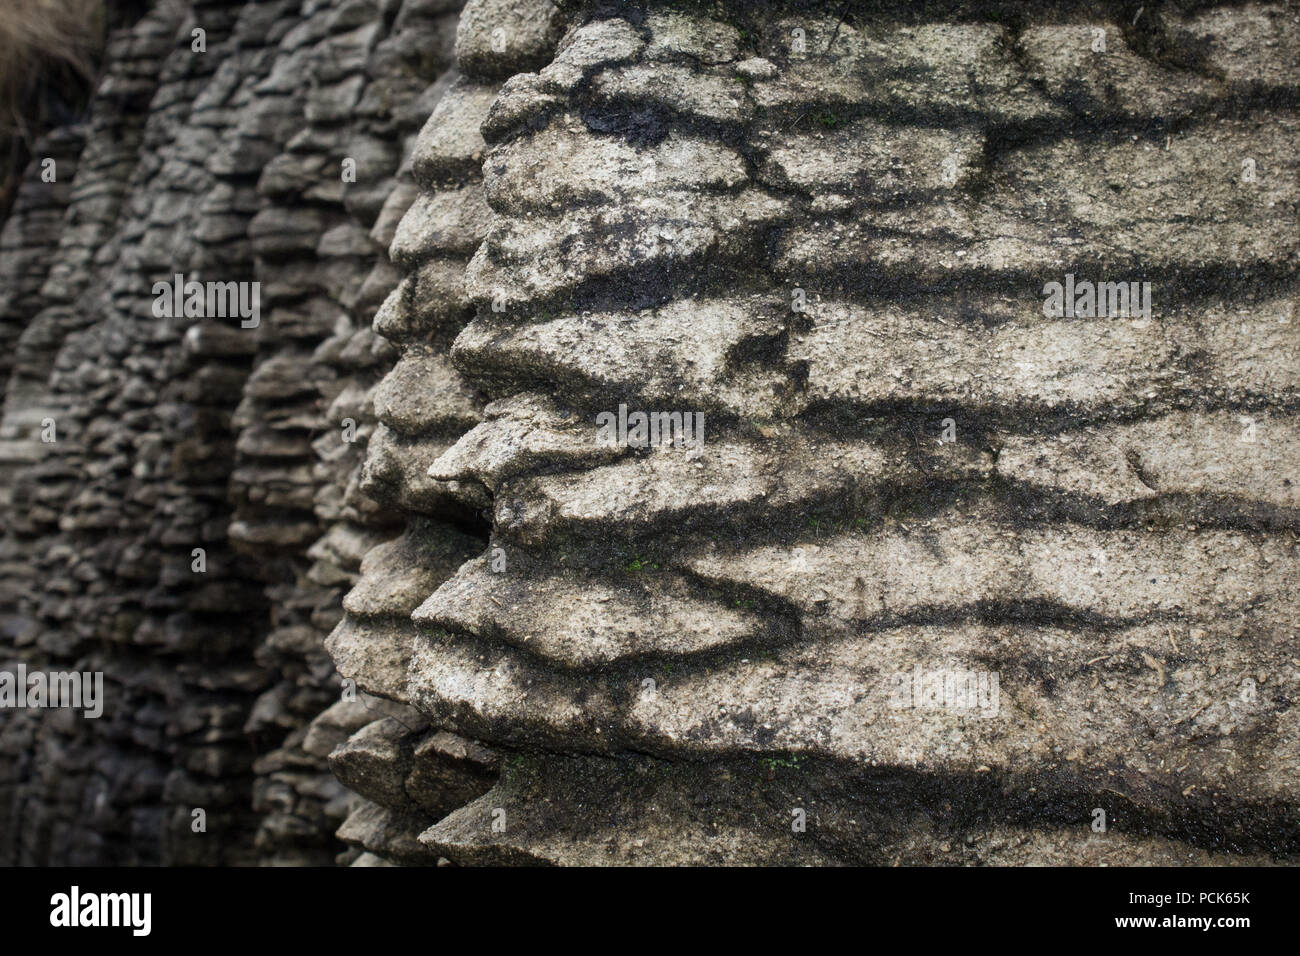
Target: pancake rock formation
x=667, y=433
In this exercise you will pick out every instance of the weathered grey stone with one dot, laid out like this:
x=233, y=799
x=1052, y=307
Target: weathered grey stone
x=947, y=571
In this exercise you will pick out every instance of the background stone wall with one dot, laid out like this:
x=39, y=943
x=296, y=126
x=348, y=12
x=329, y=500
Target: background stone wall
x=223, y=164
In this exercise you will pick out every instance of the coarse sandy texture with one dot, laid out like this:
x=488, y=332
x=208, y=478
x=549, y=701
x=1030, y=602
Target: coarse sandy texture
x=831, y=237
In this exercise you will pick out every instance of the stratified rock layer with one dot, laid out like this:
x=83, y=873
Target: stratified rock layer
x=831, y=238
x=229, y=142
x=412, y=771
x=948, y=580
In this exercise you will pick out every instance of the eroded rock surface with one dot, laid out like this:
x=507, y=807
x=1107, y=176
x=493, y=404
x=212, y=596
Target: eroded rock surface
x=947, y=575
x=192, y=527
x=831, y=238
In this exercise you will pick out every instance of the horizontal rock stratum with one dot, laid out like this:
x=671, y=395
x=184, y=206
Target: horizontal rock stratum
x=952, y=576
x=831, y=238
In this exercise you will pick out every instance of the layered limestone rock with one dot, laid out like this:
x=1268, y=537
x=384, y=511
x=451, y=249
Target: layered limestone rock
x=366, y=80
x=950, y=578
x=411, y=771
x=125, y=426
x=191, y=527
x=923, y=570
